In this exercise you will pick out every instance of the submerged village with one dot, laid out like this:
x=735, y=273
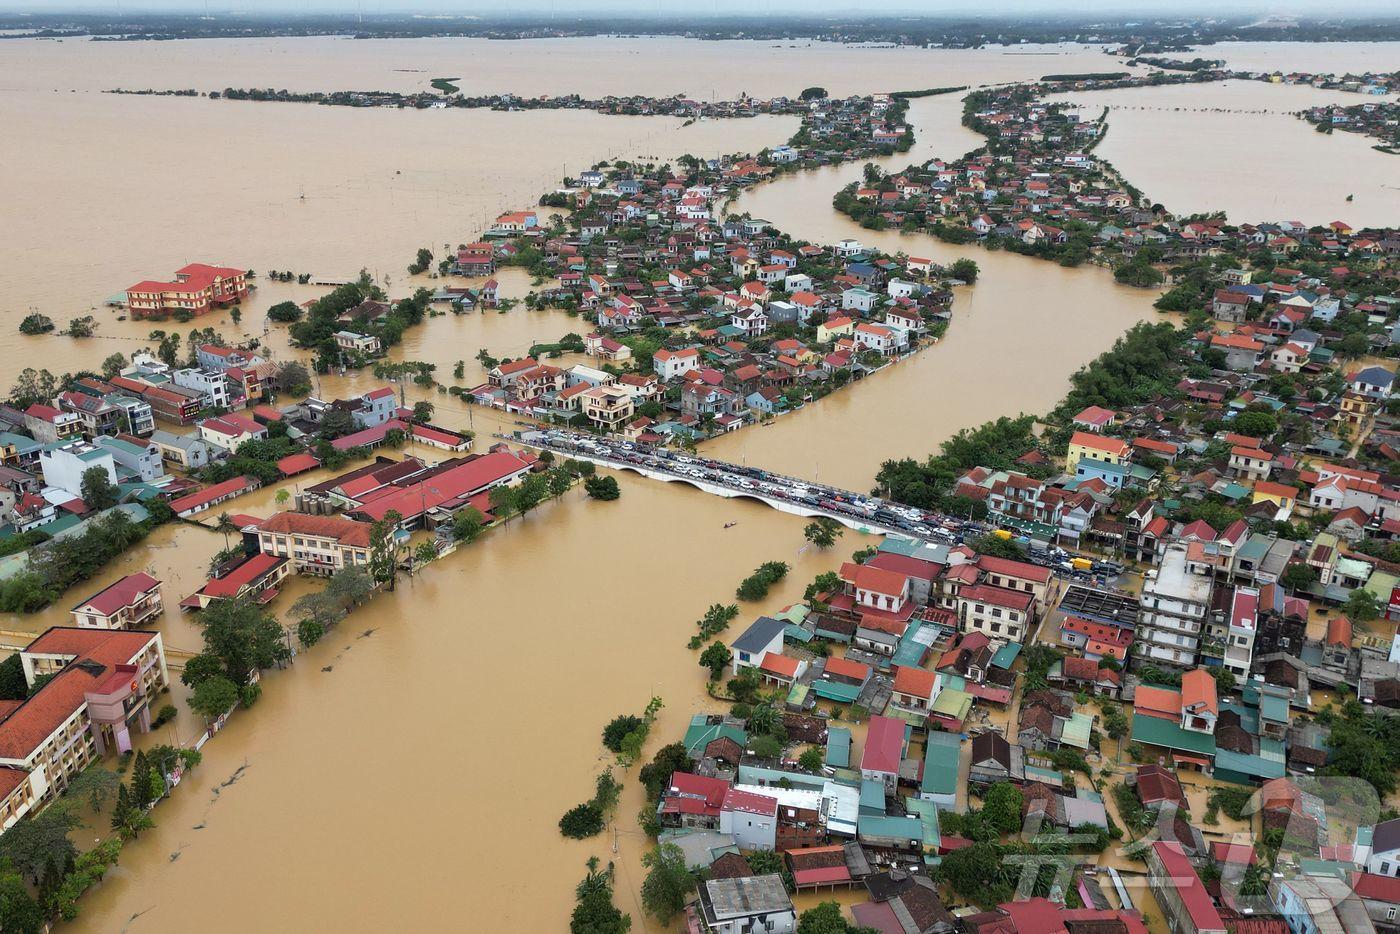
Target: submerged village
x=1128, y=664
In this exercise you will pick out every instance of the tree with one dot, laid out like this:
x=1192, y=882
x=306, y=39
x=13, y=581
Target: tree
x=964, y=269
x=224, y=525
x=715, y=657
x=284, y=312
x=813, y=94
x=199, y=668
x=812, y=759
x=467, y=524
x=293, y=377
x=1138, y=273
x=97, y=489
x=559, y=481
x=502, y=500
x=823, y=532
x=532, y=491
x=617, y=729
x=603, y=488
x=425, y=553
x=421, y=263
x=336, y=423
x=213, y=697
x=36, y=324
x=656, y=773
x=826, y=918
x=1001, y=806
x=580, y=821
x=423, y=411
x=113, y=365
x=12, y=683
x=1298, y=576
x=1255, y=424
x=1362, y=606
x=668, y=882
x=38, y=848
x=19, y=912
x=309, y=632
x=282, y=497
x=383, y=549
x=243, y=637
x=94, y=785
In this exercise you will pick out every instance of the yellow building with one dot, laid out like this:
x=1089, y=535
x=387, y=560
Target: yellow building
x=1097, y=447
x=833, y=328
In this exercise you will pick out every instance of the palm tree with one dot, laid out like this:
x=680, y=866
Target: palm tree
x=225, y=524
x=596, y=880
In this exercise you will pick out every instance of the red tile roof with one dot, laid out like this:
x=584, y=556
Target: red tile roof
x=747, y=802
x=123, y=593
x=1009, y=567
x=297, y=463
x=845, y=668
x=345, y=531
x=247, y=572
x=1189, y=887
x=915, y=681
x=211, y=493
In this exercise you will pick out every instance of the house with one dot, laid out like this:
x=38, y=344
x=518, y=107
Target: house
x=129, y=603
x=608, y=407
x=670, y=364
x=995, y=760
x=1251, y=463
x=1179, y=891
x=1095, y=418
x=833, y=328
x=914, y=688
x=744, y=904
x=1241, y=352
x=228, y=432
x=882, y=340
x=63, y=465
x=186, y=451
x=315, y=544
x=1096, y=446
x=211, y=496
x=1383, y=857
x=255, y=578
x=1374, y=382
x=996, y=611
x=875, y=588
x=763, y=636
x=884, y=751
x=692, y=801
x=750, y=817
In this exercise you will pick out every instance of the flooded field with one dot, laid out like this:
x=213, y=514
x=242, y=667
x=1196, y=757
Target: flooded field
x=1236, y=147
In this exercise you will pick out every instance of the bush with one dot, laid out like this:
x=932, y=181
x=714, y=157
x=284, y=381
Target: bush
x=166, y=714
x=604, y=488
x=616, y=731
x=581, y=821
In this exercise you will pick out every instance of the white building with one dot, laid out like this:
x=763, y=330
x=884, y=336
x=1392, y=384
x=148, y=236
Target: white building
x=63, y=466
x=751, y=817
x=670, y=364
x=212, y=385
x=142, y=461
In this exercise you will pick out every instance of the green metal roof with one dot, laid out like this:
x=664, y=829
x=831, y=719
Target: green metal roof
x=838, y=747
x=700, y=734
x=795, y=633
x=1157, y=732
x=927, y=813
x=798, y=695
x=1380, y=584
x=1005, y=656
x=872, y=797
x=1256, y=548
x=890, y=828
x=1076, y=730
x=836, y=691
x=953, y=703
x=941, y=755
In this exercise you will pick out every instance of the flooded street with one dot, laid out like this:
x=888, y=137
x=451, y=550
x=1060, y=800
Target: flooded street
x=408, y=772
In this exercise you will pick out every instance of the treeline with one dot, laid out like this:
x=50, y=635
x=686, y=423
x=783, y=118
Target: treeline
x=317, y=331
x=926, y=92
x=929, y=485
x=57, y=565
x=1090, y=76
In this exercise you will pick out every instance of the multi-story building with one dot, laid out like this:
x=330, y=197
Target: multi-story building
x=103, y=684
x=315, y=544
x=996, y=611
x=608, y=407
x=1175, y=603
x=98, y=416
x=135, y=457
x=63, y=465
x=1242, y=627
x=212, y=385
x=198, y=288
x=168, y=401
x=187, y=451
x=1097, y=447
x=50, y=426
x=129, y=603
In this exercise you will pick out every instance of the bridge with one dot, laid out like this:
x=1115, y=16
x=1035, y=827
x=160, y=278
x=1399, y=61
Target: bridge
x=792, y=495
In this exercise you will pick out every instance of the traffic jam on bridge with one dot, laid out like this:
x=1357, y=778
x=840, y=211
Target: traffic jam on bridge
x=859, y=511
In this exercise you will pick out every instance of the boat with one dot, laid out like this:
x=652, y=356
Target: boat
x=730, y=525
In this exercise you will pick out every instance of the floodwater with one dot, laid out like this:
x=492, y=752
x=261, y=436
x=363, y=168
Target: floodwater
x=1015, y=338
x=409, y=771
x=1236, y=147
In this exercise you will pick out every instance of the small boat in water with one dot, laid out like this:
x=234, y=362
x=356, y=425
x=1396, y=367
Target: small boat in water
x=730, y=525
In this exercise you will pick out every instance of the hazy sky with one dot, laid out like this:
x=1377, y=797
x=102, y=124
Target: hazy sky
x=760, y=7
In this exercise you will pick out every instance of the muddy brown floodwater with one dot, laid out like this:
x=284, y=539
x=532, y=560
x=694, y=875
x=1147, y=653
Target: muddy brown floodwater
x=408, y=772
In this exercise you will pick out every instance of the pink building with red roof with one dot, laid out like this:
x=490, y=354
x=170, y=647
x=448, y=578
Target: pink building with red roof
x=103, y=682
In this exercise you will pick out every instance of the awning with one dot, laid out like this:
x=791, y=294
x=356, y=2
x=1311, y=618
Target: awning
x=1182, y=759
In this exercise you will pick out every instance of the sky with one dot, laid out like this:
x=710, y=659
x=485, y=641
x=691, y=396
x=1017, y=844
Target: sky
x=672, y=8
